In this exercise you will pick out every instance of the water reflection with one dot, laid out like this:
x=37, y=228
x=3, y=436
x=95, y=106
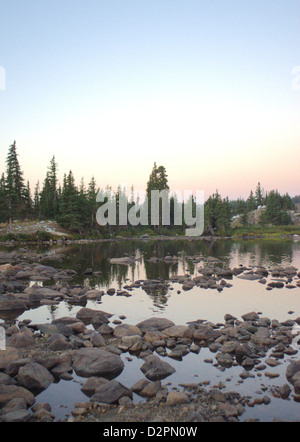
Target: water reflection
x=231, y=253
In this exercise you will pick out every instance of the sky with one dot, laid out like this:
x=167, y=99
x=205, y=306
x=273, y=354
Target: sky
x=206, y=88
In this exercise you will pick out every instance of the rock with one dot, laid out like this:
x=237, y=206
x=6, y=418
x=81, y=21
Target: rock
x=97, y=362
x=12, y=302
x=276, y=284
x=91, y=384
x=271, y=375
x=48, y=360
x=284, y=391
x=151, y=389
x=5, y=379
x=251, y=316
x=22, y=339
x=224, y=359
x=272, y=362
x=179, y=351
x=111, y=392
x=248, y=363
x=293, y=372
x=179, y=331
x=34, y=377
x=97, y=340
x=206, y=333
x=7, y=356
x=153, y=336
x=94, y=294
x=217, y=395
x=228, y=410
x=262, y=336
x=126, y=330
x=153, y=324
x=37, y=293
x=229, y=317
x=87, y=315
x=14, y=405
x=9, y=392
x=177, y=398
x=155, y=369
x=229, y=347
x=16, y=416
x=249, y=277
x=58, y=342
x=140, y=385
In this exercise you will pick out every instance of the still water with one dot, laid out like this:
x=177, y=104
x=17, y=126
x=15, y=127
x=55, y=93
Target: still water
x=189, y=305
x=242, y=297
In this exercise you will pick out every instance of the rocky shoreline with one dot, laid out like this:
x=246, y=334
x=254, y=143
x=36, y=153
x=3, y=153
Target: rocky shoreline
x=90, y=345
x=39, y=354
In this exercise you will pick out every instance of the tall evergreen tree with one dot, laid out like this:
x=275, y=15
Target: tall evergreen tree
x=49, y=194
x=158, y=180
x=14, y=185
x=69, y=216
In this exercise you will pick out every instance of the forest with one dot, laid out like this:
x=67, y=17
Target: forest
x=74, y=206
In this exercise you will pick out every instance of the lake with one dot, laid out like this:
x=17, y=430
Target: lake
x=179, y=306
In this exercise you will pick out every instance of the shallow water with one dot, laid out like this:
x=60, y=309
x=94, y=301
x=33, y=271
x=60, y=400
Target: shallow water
x=181, y=308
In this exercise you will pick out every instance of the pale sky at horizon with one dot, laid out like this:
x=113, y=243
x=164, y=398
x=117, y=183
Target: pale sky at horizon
x=203, y=87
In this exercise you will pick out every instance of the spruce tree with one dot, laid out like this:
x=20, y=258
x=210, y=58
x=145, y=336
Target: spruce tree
x=14, y=185
x=49, y=194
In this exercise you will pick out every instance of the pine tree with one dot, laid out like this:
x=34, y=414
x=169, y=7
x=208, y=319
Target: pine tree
x=69, y=216
x=251, y=202
x=36, y=200
x=158, y=180
x=259, y=195
x=14, y=185
x=49, y=194
x=27, y=200
x=92, y=202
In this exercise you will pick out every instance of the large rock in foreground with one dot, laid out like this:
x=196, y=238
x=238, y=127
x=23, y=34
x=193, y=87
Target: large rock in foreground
x=97, y=362
x=154, y=368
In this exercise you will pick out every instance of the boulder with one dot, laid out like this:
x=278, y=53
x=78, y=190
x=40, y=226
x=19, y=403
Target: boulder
x=22, y=339
x=155, y=324
x=11, y=302
x=177, y=398
x=97, y=362
x=179, y=331
x=16, y=416
x=126, y=330
x=111, y=392
x=90, y=385
x=251, y=316
x=7, y=356
x=206, y=333
x=87, y=315
x=34, y=377
x=155, y=368
x=9, y=392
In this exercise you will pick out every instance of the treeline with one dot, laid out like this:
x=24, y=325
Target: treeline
x=276, y=207
x=75, y=207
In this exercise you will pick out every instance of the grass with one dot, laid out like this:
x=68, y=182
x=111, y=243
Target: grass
x=266, y=231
